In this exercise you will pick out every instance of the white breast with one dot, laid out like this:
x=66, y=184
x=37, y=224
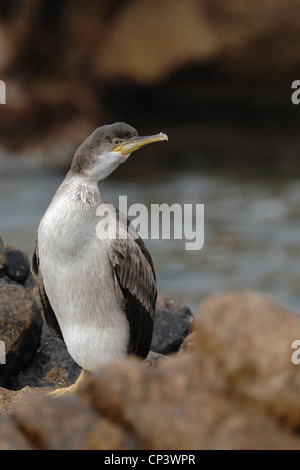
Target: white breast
x=78, y=280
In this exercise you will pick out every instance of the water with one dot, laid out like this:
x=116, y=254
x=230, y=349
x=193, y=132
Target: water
x=252, y=229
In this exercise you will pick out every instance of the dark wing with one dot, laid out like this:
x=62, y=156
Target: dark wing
x=49, y=315
x=136, y=288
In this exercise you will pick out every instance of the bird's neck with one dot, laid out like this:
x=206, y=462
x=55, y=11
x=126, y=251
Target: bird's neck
x=84, y=189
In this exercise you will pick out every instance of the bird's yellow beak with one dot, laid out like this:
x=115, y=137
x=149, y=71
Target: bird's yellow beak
x=137, y=142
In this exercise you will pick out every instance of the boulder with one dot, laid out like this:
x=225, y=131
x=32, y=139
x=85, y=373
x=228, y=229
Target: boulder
x=51, y=366
x=188, y=344
x=171, y=325
x=11, y=438
x=57, y=417
x=183, y=404
x=20, y=313
x=14, y=264
x=17, y=264
x=249, y=336
x=20, y=329
x=89, y=430
x=10, y=400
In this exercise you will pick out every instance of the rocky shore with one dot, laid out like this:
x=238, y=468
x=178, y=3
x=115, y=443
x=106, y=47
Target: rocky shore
x=221, y=379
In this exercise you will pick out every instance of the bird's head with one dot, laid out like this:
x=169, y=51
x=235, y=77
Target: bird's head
x=108, y=146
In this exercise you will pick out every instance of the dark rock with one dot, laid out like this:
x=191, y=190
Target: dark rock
x=52, y=366
x=17, y=264
x=188, y=343
x=20, y=313
x=172, y=323
x=20, y=329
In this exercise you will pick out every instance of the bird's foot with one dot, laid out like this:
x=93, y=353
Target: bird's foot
x=72, y=389
x=64, y=391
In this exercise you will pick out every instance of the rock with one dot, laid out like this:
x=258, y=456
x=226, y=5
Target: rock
x=11, y=438
x=199, y=32
x=20, y=313
x=172, y=323
x=188, y=343
x=20, y=329
x=249, y=336
x=52, y=366
x=17, y=264
x=67, y=423
x=10, y=400
x=183, y=404
x=14, y=264
x=154, y=359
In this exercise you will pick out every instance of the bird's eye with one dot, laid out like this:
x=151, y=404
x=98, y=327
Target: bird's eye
x=116, y=142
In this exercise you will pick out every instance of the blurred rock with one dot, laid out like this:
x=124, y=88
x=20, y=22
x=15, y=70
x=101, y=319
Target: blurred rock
x=56, y=95
x=188, y=343
x=171, y=325
x=48, y=422
x=11, y=438
x=250, y=336
x=154, y=359
x=183, y=404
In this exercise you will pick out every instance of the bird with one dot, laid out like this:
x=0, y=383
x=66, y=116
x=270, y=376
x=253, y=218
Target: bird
x=98, y=293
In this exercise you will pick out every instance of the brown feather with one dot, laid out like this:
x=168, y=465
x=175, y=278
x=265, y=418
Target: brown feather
x=136, y=289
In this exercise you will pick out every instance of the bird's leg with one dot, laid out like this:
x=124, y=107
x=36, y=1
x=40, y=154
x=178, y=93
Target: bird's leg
x=72, y=389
